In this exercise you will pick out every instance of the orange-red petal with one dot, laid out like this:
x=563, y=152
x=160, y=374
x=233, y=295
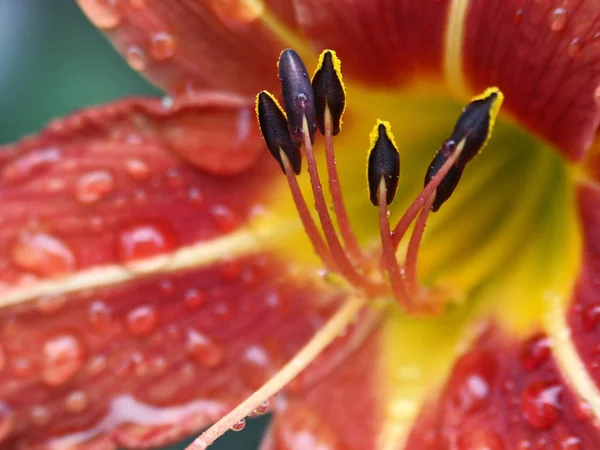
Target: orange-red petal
x=505, y=393
x=339, y=412
x=137, y=305
x=545, y=56
x=188, y=45
x=380, y=42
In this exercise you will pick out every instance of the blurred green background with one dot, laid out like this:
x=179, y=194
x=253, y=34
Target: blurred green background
x=53, y=61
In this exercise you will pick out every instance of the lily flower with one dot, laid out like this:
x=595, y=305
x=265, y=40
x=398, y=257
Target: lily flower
x=172, y=264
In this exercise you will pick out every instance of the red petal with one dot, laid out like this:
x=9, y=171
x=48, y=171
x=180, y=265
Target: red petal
x=584, y=312
x=505, y=394
x=340, y=412
x=545, y=56
x=379, y=41
x=191, y=45
x=93, y=349
x=146, y=362
x=106, y=185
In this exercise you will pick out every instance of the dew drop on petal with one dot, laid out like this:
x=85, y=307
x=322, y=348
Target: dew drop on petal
x=136, y=58
x=261, y=409
x=99, y=316
x=535, y=351
x=142, y=320
x=575, y=48
x=195, y=196
x=480, y=440
x=50, y=304
x=137, y=169
x=224, y=217
x=541, y=404
x=97, y=364
x=63, y=358
x=103, y=13
x=7, y=419
x=40, y=415
x=42, y=254
x=22, y=168
x=92, y=186
x=238, y=10
x=204, y=350
x=571, y=443
x=518, y=17
x=162, y=46
x=558, y=19
x=76, y=402
x=193, y=298
x=145, y=240
x=239, y=426
x=137, y=4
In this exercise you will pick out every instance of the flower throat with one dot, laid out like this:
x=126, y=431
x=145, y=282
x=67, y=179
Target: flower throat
x=319, y=104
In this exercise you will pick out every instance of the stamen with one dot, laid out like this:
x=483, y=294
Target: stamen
x=412, y=211
x=329, y=91
x=410, y=264
x=274, y=128
x=325, y=336
x=298, y=97
x=383, y=163
x=305, y=217
x=388, y=252
x=336, y=195
x=330, y=102
x=339, y=254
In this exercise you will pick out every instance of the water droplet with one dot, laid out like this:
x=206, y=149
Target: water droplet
x=571, y=443
x=591, y=316
x=99, y=315
x=42, y=254
x=137, y=169
x=239, y=426
x=535, y=351
x=102, y=13
x=7, y=419
x=142, y=320
x=558, y=19
x=193, y=298
x=97, y=364
x=204, y=350
x=63, y=358
x=261, y=409
x=92, y=186
x=50, y=304
x=96, y=224
x=136, y=58
x=40, y=415
x=583, y=411
x=472, y=380
x=224, y=217
x=24, y=167
x=162, y=46
x=541, y=404
x=480, y=440
x=76, y=402
x=195, y=196
x=147, y=240
x=137, y=4
x=242, y=11
x=22, y=367
x=575, y=48
x=518, y=17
